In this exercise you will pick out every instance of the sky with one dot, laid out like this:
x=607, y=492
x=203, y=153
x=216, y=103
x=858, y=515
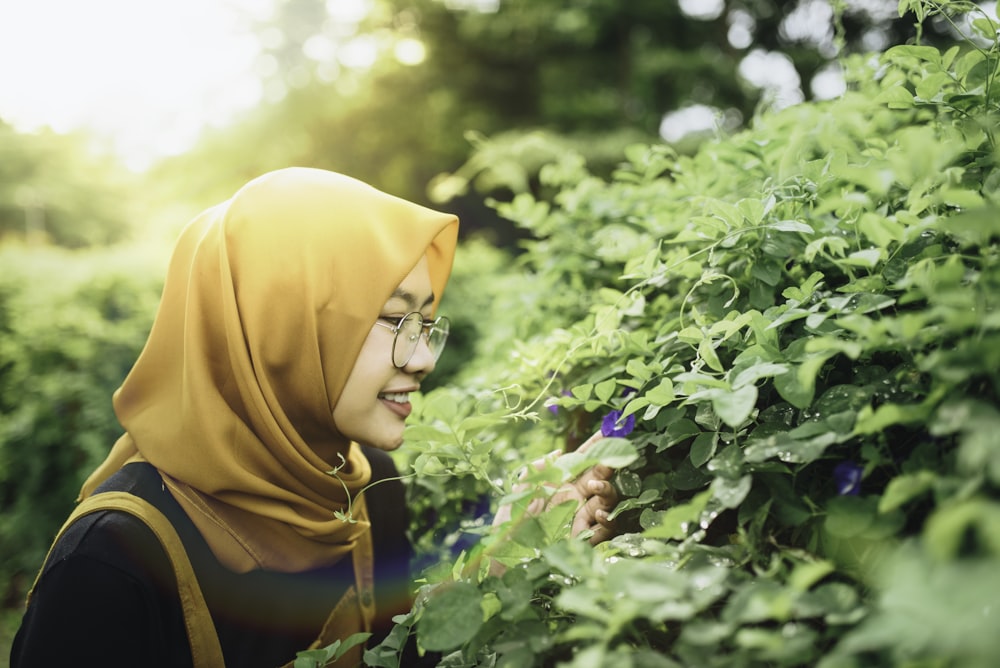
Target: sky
x=145, y=75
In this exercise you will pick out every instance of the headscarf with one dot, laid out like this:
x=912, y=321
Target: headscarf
x=268, y=299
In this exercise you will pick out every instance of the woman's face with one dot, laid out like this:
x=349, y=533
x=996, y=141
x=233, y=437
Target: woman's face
x=375, y=402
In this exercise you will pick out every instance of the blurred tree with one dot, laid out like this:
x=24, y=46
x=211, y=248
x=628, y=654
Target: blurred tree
x=392, y=90
x=53, y=189
x=584, y=66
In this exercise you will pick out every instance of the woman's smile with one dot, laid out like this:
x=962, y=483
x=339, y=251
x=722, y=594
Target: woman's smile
x=397, y=402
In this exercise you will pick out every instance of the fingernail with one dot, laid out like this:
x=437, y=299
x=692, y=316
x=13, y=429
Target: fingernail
x=595, y=485
x=601, y=514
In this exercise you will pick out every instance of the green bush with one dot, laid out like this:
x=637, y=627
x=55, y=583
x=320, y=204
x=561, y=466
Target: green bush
x=796, y=331
x=71, y=325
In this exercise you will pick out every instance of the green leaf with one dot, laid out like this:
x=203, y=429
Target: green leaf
x=809, y=573
x=614, y=452
x=605, y=389
x=703, y=447
x=797, y=388
x=452, y=616
x=640, y=370
x=731, y=493
x=662, y=394
x=645, y=498
x=874, y=421
x=933, y=84
x=849, y=516
x=865, y=258
x=896, y=97
x=759, y=601
x=904, y=488
x=927, y=54
x=752, y=374
x=691, y=334
x=706, y=351
x=791, y=226
x=674, y=522
x=947, y=531
x=986, y=28
x=974, y=228
x=880, y=229
x=635, y=405
x=734, y=407
x=961, y=198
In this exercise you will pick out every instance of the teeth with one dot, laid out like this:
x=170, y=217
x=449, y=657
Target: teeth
x=399, y=398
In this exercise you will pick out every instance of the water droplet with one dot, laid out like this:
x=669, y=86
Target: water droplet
x=707, y=518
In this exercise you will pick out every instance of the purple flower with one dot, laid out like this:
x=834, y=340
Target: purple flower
x=554, y=408
x=847, y=475
x=612, y=424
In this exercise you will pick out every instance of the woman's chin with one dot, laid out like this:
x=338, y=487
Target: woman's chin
x=386, y=444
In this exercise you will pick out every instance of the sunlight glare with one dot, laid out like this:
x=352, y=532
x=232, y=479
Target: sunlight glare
x=703, y=10
x=480, y=6
x=358, y=53
x=410, y=51
x=348, y=11
x=146, y=77
x=774, y=73
x=696, y=118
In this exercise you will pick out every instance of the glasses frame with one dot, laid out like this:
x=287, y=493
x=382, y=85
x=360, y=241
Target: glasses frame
x=426, y=327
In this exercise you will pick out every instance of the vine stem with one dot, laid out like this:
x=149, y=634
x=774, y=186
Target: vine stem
x=543, y=392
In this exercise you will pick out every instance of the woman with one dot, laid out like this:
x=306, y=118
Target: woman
x=296, y=319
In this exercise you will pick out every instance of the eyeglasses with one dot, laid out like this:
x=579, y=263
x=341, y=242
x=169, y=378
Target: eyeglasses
x=406, y=336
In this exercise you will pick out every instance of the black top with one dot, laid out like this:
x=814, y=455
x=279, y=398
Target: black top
x=108, y=595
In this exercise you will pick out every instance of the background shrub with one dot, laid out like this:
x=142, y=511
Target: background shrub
x=71, y=325
x=796, y=331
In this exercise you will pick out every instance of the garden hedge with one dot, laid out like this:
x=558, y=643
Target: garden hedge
x=791, y=339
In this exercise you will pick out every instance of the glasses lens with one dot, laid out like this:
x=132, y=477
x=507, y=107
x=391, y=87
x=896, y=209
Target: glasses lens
x=407, y=338
x=438, y=336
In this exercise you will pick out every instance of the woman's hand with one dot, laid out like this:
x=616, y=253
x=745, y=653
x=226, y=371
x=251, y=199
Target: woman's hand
x=593, y=492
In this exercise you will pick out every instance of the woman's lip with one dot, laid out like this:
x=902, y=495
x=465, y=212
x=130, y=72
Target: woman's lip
x=400, y=409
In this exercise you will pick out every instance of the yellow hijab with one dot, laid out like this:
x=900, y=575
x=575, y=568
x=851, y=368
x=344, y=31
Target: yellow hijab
x=267, y=301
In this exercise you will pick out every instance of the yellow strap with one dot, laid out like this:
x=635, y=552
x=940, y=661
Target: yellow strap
x=205, y=649
x=355, y=611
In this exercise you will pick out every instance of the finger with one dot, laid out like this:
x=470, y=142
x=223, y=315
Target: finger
x=584, y=490
x=603, y=488
x=597, y=473
x=590, y=441
x=567, y=493
x=605, y=498
x=595, y=510
x=602, y=531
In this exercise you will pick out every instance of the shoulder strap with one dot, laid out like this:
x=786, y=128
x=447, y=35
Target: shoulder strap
x=205, y=649
x=355, y=611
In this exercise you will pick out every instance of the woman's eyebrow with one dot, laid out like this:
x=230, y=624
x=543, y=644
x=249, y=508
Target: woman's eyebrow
x=410, y=298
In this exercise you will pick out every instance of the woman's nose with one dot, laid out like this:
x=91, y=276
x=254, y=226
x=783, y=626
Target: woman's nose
x=422, y=361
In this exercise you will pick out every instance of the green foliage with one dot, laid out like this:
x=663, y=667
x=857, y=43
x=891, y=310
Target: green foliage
x=70, y=328
x=54, y=189
x=317, y=658
x=803, y=319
